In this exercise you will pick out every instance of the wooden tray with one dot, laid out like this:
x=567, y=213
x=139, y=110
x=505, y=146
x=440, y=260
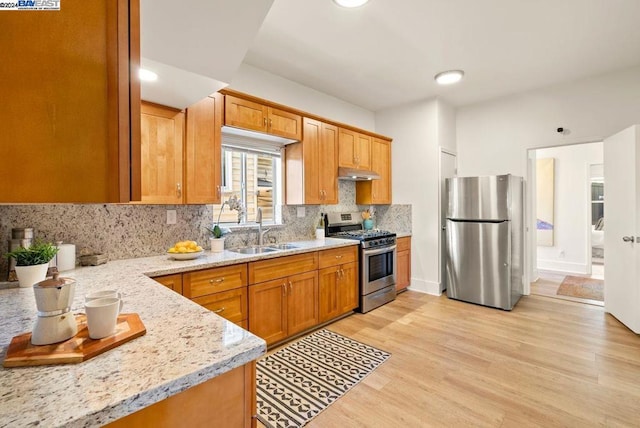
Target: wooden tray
x=79, y=348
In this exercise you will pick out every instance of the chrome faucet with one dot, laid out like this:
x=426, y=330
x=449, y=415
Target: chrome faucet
x=261, y=232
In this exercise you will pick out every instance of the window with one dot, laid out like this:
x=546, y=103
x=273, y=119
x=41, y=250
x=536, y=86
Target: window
x=255, y=177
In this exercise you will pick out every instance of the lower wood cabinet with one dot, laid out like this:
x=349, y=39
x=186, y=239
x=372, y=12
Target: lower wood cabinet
x=403, y=277
x=283, y=307
x=227, y=400
x=338, y=290
x=173, y=282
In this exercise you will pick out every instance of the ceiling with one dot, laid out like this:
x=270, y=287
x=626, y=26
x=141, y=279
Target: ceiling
x=387, y=52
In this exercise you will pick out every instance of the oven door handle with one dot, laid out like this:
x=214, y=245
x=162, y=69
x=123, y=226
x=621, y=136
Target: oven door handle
x=377, y=251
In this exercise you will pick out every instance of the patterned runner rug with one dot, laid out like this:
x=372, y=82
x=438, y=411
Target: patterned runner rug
x=299, y=381
x=586, y=288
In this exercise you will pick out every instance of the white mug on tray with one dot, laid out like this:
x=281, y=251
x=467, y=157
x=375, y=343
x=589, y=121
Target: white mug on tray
x=102, y=316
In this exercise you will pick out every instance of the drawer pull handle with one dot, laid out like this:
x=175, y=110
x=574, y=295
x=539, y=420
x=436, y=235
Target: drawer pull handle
x=218, y=281
x=290, y=287
x=284, y=289
x=339, y=257
x=219, y=311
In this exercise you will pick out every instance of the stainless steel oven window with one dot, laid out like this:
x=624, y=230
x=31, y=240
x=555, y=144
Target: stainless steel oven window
x=378, y=268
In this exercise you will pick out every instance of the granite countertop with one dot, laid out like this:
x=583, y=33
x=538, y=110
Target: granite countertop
x=185, y=345
x=403, y=234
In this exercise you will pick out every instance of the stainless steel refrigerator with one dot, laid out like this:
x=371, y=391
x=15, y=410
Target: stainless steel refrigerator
x=484, y=229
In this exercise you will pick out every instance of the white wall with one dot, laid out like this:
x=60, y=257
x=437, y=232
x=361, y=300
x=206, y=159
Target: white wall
x=417, y=129
x=492, y=137
x=260, y=83
x=572, y=216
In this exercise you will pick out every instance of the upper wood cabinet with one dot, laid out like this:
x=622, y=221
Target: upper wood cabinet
x=203, y=150
x=255, y=116
x=162, y=141
x=70, y=107
x=377, y=191
x=354, y=149
x=312, y=165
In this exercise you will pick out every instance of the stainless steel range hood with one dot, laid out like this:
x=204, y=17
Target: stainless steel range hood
x=357, y=174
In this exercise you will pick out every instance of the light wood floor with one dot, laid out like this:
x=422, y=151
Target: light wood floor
x=548, y=282
x=547, y=363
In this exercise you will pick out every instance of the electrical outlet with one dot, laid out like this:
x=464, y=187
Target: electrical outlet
x=172, y=216
x=301, y=212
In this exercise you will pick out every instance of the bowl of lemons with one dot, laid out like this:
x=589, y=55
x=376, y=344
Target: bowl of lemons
x=185, y=250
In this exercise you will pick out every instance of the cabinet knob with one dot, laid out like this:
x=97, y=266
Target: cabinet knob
x=270, y=123
x=218, y=281
x=290, y=287
x=264, y=121
x=284, y=289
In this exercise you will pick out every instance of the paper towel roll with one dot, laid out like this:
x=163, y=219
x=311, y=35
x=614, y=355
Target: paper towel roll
x=66, y=257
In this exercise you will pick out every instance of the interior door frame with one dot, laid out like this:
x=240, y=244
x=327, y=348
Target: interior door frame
x=531, y=269
x=449, y=152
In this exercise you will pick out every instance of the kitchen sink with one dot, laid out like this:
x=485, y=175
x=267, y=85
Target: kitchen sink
x=254, y=250
x=283, y=246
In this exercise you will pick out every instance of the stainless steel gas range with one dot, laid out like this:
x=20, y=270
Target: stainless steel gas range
x=377, y=258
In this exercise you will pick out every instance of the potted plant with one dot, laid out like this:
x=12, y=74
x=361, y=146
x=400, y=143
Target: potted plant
x=32, y=262
x=216, y=233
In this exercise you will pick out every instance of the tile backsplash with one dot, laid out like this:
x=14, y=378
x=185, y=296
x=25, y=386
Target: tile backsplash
x=127, y=231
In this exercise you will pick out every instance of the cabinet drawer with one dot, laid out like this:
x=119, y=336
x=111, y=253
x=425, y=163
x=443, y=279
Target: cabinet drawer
x=338, y=256
x=266, y=270
x=209, y=281
x=231, y=305
x=404, y=244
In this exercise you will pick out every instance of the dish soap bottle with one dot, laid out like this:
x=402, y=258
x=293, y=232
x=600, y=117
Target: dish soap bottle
x=320, y=228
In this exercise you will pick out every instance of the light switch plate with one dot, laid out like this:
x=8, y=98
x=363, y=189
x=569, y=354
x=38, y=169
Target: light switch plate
x=301, y=212
x=172, y=216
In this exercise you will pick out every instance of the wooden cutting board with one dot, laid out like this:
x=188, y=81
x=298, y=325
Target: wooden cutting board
x=79, y=348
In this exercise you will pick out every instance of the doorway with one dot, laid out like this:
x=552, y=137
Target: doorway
x=567, y=219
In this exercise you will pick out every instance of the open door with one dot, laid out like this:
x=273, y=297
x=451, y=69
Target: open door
x=622, y=227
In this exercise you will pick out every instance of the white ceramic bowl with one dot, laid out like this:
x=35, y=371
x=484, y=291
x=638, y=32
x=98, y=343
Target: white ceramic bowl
x=186, y=256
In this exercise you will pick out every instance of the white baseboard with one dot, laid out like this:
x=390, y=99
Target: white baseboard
x=563, y=267
x=427, y=287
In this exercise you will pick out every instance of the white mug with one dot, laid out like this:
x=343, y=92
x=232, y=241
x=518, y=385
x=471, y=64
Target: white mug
x=102, y=316
x=102, y=294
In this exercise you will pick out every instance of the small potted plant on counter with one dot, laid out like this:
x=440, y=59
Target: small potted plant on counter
x=216, y=233
x=32, y=262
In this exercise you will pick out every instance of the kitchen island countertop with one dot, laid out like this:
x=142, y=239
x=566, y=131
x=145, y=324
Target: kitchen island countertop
x=185, y=345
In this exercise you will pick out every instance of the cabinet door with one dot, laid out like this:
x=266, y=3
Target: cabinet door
x=381, y=163
x=363, y=151
x=348, y=288
x=268, y=310
x=312, y=159
x=244, y=114
x=328, y=164
x=303, y=302
x=284, y=124
x=68, y=103
x=162, y=137
x=403, y=277
x=174, y=282
x=203, y=150
x=347, y=141
x=328, y=305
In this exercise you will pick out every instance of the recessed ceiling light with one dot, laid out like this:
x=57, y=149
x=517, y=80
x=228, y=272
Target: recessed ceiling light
x=350, y=3
x=147, y=75
x=449, y=77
